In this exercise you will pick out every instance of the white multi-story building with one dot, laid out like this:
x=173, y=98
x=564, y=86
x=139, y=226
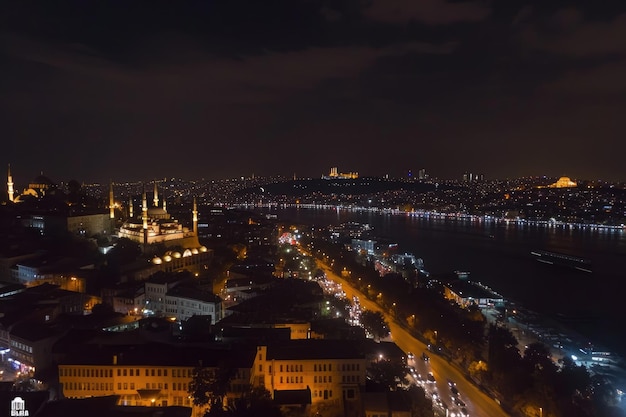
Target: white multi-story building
x=185, y=302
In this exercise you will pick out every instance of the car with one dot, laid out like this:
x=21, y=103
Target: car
x=459, y=402
x=463, y=412
x=454, y=391
x=451, y=383
x=410, y=355
x=431, y=377
x=425, y=356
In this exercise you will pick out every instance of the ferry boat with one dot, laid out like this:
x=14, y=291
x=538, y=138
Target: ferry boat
x=562, y=259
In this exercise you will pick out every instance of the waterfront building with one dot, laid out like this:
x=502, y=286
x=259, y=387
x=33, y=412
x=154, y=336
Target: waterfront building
x=466, y=293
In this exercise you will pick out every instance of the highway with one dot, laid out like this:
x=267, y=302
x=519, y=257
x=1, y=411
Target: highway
x=478, y=404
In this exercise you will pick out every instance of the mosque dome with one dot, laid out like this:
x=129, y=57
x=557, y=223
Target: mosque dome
x=157, y=213
x=42, y=180
x=157, y=261
x=203, y=249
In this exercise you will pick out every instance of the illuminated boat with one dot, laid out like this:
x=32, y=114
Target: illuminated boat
x=562, y=259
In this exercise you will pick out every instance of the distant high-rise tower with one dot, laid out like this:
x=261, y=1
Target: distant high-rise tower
x=111, y=202
x=10, y=185
x=130, y=208
x=421, y=174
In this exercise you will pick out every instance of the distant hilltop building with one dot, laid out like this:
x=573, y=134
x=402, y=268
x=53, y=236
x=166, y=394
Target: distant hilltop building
x=335, y=174
x=563, y=182
x=472, y=177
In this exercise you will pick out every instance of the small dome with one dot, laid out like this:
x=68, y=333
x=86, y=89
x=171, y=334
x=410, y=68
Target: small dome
x=194, y=251
x=186, y=253
x=203, y=249
x=157, y=261
x=156, y=211
x=167, y=258
x=176, y=255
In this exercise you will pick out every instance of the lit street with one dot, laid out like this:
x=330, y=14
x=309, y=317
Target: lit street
x=476, y=402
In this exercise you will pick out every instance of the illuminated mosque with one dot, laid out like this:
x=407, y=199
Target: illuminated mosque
x=37, y=189
x=335, y=174
x=563, y=182
x=156, y=225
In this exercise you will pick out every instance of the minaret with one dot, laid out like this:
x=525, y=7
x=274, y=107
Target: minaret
x=144, y=217
x=164, y=204
x=130, y=208
x=111, y=202
x=195, y=217
x=156, y=195
x=10, y=185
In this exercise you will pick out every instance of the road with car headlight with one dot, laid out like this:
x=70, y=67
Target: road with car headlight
x=452, y=394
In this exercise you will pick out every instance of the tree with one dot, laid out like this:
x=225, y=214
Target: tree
x=388, y=373
x=421, y=406
x=374, y=322
x=209, y=386
x=255, y=401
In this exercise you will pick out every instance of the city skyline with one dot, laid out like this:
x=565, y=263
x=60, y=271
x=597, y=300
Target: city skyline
x=223, y=90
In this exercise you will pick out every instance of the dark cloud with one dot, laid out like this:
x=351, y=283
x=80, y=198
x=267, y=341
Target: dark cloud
x=228, y=88
x=430, y=12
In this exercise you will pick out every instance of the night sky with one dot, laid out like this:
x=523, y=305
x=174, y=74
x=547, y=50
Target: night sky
x=141, y=89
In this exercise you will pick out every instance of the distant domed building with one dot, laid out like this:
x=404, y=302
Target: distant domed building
x=563, y=182
x=156, y=225
x=37, y=189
